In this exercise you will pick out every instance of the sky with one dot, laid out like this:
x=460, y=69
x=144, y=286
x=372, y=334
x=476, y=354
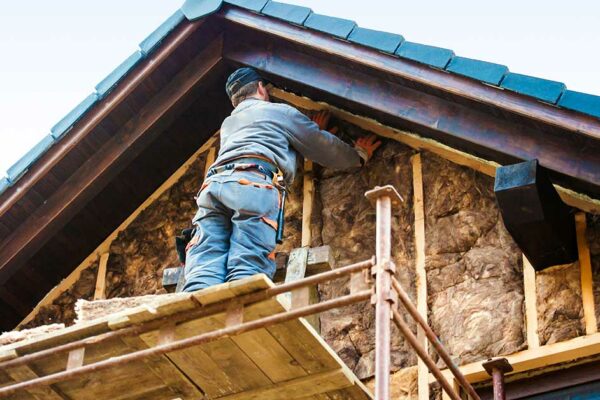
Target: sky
x=53, y=53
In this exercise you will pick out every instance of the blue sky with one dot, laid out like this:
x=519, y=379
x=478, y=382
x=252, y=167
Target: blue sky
x=55, y=52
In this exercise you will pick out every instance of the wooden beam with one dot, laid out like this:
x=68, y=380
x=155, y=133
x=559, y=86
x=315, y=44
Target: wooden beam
x=549, y=355
x=104, y=247
x=418, y=142
x=100, y=292
x=585, y=267
x=106, y=163
x=421, y=274
x=307, y=202
x=307, y=295
x=417, y=74
x=531, y=317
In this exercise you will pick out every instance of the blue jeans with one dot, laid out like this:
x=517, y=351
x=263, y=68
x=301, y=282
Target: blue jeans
x=236, y=226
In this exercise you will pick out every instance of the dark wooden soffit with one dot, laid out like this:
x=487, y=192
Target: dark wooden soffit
x=484, y=121
x=417, y=74
x=106, y=163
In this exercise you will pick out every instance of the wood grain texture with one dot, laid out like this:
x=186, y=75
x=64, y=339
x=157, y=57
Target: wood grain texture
x=421, y=275
x=585, y=267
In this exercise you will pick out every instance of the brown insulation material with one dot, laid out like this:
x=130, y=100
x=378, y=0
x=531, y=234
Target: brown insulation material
x=474, y=269
x=18, y=336
x=62, y=309
x=348, y=226
x=560, y=310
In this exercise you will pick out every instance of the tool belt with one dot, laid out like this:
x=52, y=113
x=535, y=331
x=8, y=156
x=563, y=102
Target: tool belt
x=264, y=166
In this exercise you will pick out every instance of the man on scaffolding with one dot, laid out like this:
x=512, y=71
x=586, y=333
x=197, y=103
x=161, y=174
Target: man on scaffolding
x=240, y=204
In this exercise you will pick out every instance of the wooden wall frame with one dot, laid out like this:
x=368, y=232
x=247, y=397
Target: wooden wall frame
x=104, y=247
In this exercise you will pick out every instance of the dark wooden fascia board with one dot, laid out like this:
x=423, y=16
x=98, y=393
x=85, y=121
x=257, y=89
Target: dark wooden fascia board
x=93, y=117
x=421, y=74
x=573, y=160
x=107, y=162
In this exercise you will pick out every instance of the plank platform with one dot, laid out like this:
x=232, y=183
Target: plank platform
x=284, y=361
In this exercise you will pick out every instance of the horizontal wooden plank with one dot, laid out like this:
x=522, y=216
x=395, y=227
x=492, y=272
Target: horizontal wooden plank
x=298, y=388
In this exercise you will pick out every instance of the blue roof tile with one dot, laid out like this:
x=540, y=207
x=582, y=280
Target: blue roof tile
x=287, y=12
x=105, y=86
x=68, y=120
x=334, y=26
x=430, y=55
x=254, y=5
x=4, y=184
x=152, y=40
x=383, y=41
x=481, y=70
x=194, y=9
x=542, y=89
x=21, y=166
x=582, y=102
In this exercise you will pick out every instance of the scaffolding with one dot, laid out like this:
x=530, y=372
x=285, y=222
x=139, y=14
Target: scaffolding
x=383, y=290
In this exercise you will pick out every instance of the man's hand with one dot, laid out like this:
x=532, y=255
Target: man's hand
x=366, y=146
x=321, y=118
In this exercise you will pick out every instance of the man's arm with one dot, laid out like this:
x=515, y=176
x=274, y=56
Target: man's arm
x=319, y=146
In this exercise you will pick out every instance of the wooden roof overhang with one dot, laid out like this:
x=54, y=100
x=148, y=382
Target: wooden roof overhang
x=131, y=141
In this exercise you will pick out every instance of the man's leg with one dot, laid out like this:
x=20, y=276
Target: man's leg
x=206, y=259
x=256, y=204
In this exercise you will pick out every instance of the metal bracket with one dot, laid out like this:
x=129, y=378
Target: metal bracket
x=384, y=191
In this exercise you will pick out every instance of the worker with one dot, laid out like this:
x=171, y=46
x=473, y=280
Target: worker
x=240, y=199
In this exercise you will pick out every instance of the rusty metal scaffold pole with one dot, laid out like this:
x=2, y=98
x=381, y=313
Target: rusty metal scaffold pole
x=383, y=198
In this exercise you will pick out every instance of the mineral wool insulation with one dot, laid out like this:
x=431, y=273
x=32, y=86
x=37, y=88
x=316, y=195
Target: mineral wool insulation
x=474, y=269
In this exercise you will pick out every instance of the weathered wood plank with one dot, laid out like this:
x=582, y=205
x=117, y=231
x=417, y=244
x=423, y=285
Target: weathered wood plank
x=297, y=388
x=585, y=267
x=178, y=383
x=100, y=292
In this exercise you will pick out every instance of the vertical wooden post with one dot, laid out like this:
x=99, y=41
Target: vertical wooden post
x=307, y=202
x=531, y=317
x=308, y=295
x=421, y=275
x=210, y=159
x=585, y=268
x=100, y=292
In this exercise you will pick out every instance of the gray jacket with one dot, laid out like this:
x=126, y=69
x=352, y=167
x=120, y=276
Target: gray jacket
x=278, y=132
